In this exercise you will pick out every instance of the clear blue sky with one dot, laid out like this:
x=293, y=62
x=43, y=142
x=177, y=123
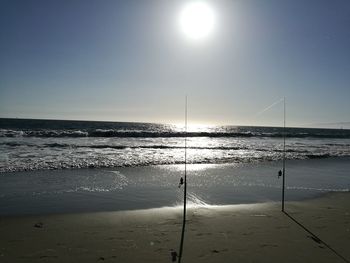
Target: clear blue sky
x=128, y=61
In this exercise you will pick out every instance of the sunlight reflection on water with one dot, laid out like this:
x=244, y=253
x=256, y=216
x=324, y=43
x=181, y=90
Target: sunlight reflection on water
x=190, y=167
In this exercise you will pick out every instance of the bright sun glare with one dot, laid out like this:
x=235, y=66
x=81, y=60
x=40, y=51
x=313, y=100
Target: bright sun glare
x=197, y=20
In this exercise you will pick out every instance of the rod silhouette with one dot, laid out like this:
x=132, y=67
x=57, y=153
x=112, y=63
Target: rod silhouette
x=185, y=190
x=284, y=154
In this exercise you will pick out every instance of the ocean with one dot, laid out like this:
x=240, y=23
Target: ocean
x=54, y=166
x=29, y=145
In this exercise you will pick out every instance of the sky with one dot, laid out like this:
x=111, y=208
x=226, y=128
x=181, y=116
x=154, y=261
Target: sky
x=129, y=61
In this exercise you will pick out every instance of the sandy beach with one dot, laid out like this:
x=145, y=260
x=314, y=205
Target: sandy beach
x=240, y=233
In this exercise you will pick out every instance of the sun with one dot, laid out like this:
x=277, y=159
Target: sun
x=197, y=20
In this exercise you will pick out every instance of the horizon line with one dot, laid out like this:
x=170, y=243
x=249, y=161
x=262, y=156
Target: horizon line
x=306, y=126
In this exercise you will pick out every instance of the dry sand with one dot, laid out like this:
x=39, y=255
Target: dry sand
x=242, y=233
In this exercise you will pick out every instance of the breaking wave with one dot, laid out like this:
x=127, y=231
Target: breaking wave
x=163, y=134
x=44, y=144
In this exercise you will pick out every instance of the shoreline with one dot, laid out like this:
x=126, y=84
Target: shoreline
x=179, y=208
x=223, y=163
x=135, y=188
x=244, y=233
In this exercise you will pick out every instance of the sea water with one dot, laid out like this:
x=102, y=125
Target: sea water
x=72, y=166
x=50, y=144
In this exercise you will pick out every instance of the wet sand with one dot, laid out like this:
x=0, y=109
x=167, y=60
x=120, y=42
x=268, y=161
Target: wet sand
x=240, y=233
x=134, y=188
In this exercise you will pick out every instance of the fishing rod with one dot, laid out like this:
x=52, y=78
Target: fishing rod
x=185, y=189
x=284, y=153
x=283, y=171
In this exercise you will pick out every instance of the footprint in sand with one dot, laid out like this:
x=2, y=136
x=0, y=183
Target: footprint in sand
x=268, y=245
x=214, y=251
x=202, y=234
